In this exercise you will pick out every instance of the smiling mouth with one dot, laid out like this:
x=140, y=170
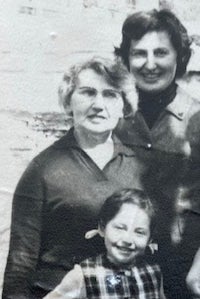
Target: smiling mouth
x=96, y=116
x=151, y=76
x=126, y=250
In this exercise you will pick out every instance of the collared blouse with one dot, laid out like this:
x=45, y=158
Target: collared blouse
x=56, y=202
x=98, y=278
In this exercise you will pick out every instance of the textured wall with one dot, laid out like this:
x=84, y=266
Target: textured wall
x=39, y=39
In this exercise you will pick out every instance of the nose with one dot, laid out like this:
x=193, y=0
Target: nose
x=150, y=62
x=99, y=102
x=128, y=239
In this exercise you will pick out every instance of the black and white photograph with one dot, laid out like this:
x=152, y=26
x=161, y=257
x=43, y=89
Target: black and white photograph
x=100, y=149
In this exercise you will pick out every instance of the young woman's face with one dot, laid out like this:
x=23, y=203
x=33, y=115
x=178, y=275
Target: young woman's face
x=96, y=105
x=153, y=61
x=127, y=234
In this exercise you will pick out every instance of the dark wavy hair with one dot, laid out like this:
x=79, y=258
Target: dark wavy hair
x=138, y=24
x=113, y=204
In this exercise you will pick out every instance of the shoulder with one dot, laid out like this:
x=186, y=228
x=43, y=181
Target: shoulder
x=55, y=152
x=53, y=157
x=191, y=116
x=187, y=99
x=186, y=110
x=72, y=286
x=149, y=264
x=73, y=277
x=92, y=261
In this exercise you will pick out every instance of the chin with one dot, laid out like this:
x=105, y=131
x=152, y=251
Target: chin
x=126, y=262
x=98, y=130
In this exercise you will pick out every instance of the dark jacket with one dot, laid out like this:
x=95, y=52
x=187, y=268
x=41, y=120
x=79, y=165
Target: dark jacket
x=170, y=152
x=56, y=202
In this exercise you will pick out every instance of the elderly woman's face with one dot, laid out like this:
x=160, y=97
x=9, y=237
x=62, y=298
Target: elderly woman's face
x=153, y=61
x=95, y=104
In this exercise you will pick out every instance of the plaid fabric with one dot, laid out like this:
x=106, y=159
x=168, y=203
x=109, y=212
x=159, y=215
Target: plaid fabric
x=103, y=280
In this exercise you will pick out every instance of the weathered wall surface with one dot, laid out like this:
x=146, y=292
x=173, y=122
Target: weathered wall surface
x=39, y=39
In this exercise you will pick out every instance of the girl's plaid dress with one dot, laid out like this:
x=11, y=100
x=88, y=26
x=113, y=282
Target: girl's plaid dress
x=103, y=280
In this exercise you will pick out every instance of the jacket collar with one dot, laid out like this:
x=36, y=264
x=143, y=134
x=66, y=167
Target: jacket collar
x=69, y=141
x=180, y=105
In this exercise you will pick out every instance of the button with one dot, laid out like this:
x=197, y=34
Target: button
x=127, y=272
x=149, y=145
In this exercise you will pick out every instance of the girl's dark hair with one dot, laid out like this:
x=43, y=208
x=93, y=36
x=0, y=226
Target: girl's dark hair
x=113, y=204
x=140, y=23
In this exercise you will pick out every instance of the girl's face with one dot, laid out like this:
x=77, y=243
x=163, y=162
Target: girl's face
x=96, y=106
x=127, y=234
x=153, y=61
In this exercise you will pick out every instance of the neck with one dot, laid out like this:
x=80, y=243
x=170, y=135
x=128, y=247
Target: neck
x=163, y=95
x=116, y=264
x=89, y=140
x=151, y=105
x=99, y=147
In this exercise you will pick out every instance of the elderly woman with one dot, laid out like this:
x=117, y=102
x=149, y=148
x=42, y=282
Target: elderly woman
x=165, y=133
x=59, y=195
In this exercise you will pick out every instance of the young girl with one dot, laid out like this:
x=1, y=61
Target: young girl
x=125, y=222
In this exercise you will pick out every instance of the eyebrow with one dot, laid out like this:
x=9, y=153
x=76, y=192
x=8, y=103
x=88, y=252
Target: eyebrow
x=88, y=87
x=93, y=88
x=142, y=49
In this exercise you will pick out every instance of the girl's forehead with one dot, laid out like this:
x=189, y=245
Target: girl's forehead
x=132, y=212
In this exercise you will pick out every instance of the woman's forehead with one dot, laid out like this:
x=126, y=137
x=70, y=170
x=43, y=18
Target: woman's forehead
x=89, y=77
x=152, y=39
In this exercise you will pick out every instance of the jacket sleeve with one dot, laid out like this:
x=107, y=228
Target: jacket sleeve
x=25, y=234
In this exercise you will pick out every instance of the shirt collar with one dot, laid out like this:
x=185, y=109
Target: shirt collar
x=180, y=105
x=69, y=141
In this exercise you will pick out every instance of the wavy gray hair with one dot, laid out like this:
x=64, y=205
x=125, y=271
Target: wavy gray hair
x=115, y=74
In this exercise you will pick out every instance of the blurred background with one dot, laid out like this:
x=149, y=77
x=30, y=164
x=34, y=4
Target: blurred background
x=39, y=40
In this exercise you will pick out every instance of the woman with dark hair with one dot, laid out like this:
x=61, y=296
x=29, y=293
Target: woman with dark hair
x=58, y=197
x=165, y=134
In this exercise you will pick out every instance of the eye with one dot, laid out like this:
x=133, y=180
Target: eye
x=90, y=92
x=161, y=52
x=119, y=226
x=138, y=53
x=141, y=232
x=112, y=94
